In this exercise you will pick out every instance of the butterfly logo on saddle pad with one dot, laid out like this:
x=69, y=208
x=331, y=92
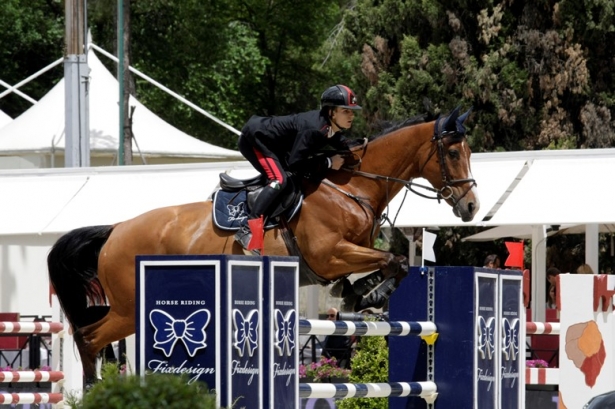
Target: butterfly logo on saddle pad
x=510, y=338
x=236, y=211
x=246, y=332
x=168, y=330
x=486, y=341
x=285, y=331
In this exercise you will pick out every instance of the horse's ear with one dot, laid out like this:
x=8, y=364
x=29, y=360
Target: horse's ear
x=460, y=128
x=451, y=121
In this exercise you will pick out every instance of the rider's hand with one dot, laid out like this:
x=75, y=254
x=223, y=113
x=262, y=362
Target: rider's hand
x=337, y=161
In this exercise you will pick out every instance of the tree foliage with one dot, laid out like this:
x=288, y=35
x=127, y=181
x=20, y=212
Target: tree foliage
x=32, y=37
x=533, y=71
x=539, y=73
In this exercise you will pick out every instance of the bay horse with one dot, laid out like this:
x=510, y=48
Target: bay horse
x=92, y=269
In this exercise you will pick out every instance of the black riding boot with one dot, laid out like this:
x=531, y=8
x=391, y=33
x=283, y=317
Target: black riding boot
x=264, y=198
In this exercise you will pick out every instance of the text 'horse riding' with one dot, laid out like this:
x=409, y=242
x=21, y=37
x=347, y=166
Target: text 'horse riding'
x=334, y=233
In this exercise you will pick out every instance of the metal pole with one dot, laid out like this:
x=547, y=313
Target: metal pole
x=76, y=76
x=120, y=76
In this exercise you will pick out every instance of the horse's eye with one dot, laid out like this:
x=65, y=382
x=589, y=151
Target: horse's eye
x=453, y=153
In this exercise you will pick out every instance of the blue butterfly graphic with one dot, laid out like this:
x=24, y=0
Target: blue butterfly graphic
x=168, y=330
x=510, y=338
x=285, y=331
x=486, y=342
x=246, y=331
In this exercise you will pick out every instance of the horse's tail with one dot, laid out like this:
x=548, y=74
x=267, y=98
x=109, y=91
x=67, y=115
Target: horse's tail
x=73, y=272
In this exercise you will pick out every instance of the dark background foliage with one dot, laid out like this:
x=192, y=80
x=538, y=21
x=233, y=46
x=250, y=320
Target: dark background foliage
x=537, y=72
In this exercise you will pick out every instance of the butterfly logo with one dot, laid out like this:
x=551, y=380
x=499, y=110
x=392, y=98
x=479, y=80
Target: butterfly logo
x=510, y=338
x=235, y=211
x=285, y=331
x=246, y=331
x=168, y=330
x=486, y=342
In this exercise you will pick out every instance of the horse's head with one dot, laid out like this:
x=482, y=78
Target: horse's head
x=447, y=166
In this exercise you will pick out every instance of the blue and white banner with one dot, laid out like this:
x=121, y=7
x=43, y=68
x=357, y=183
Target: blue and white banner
x=215, y=319
x=178, y=318
x=487, y=335
x=245, y=331
x=512, y=340
x=283, y=322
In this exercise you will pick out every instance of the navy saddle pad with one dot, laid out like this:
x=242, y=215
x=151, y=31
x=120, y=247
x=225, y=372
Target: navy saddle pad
x=231, y=209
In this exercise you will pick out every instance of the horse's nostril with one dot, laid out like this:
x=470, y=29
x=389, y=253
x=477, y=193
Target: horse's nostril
x=471, y=207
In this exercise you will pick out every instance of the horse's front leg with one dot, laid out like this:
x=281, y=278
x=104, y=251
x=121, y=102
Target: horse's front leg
x=391, y=269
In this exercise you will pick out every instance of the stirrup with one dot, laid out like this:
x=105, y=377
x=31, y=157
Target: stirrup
x=243, y=237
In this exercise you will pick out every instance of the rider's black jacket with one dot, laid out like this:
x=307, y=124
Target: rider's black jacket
x=296, y=139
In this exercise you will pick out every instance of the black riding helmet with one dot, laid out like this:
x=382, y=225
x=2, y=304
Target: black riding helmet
x=339, y=96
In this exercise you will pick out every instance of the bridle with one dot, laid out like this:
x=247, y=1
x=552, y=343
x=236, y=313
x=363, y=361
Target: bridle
x=440, y=140
x=446, y=191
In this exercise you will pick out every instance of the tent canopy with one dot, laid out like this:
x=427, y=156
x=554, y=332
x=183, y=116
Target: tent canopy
x=4, y=119
x=564, y=187
x=59, y=200
x=523, y=231
x=512, y=191
x=41, y=129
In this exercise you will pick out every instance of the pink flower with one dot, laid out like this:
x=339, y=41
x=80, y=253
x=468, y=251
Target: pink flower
x=536, y=363
x=324, y=369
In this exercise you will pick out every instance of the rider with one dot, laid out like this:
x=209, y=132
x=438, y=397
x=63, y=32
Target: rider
x=276, y=144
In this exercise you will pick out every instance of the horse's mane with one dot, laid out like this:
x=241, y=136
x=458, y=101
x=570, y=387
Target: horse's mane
x=383, y=127
x=386, y=127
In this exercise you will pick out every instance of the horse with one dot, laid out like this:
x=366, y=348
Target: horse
x=92, y=269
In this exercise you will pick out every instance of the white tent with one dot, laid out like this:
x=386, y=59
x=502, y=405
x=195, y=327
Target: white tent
x=524, y=231
x=4, y=119
x=40, y=204
x=37, y=137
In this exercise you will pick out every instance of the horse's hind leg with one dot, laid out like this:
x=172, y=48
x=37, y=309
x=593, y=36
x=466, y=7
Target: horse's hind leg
x=93, y=338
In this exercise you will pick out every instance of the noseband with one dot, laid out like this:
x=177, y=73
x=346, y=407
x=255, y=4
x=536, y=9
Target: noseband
x=446, y=191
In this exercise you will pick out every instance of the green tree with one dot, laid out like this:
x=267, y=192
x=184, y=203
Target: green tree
x=533, y=71
x=32, y=37
x=370, y=364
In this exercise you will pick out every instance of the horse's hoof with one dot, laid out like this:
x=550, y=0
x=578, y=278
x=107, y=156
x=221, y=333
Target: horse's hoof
x=373, y=301
x=349, y=302
x=89, y=384
x=341, y=289
x=364, y=285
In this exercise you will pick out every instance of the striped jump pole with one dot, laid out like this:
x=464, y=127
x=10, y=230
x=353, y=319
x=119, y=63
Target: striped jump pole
x=542, y=328
x=31, y=376
x=425, y=390
x=57, y=378
x=30, y=398
x=31, y=327
x=542, y=376
x=366, y=328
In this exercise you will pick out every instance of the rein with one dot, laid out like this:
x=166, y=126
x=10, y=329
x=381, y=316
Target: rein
x=446, y=192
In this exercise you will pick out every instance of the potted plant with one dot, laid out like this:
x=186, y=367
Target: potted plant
x=325, y=370
x=369, y=364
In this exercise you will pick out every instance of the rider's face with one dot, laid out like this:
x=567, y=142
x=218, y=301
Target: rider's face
x=342, y=117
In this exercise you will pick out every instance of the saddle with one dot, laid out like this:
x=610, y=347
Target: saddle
x=232, y=202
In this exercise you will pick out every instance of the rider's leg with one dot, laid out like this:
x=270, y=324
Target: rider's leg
x=266, y=196
x=268, y=164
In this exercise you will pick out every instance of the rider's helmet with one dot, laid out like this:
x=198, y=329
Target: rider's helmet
x=339, y=96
